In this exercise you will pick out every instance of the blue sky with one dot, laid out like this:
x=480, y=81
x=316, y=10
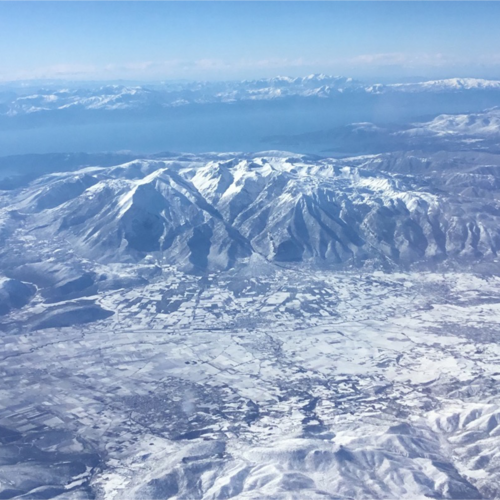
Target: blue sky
x=229, y=40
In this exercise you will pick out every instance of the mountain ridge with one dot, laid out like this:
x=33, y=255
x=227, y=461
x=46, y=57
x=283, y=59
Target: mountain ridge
x=207, y=214
x=122, y=97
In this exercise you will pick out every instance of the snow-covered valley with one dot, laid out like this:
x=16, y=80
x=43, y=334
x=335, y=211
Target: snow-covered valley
x=285, y=385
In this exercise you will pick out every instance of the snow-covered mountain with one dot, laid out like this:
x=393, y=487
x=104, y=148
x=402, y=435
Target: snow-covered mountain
x=484, y=125
x=140, y=97
x=109, y=98
x=446, y=85
x=452, y=132
x=207, y=213
x=120, y=97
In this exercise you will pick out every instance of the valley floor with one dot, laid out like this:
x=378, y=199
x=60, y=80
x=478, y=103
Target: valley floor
x=295, y=385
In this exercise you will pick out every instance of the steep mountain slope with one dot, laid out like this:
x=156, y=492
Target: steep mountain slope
x=204, y=213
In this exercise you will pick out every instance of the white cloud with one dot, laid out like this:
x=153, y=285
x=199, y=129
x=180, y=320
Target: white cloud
x=406, y=60
x=175, y=68
x=221, y=69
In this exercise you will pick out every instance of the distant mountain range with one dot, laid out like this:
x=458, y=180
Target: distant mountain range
x=451, y=132
x=312, y=114
x=118, y=97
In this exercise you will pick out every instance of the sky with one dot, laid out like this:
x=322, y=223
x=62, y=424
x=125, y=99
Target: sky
x=155, y=41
